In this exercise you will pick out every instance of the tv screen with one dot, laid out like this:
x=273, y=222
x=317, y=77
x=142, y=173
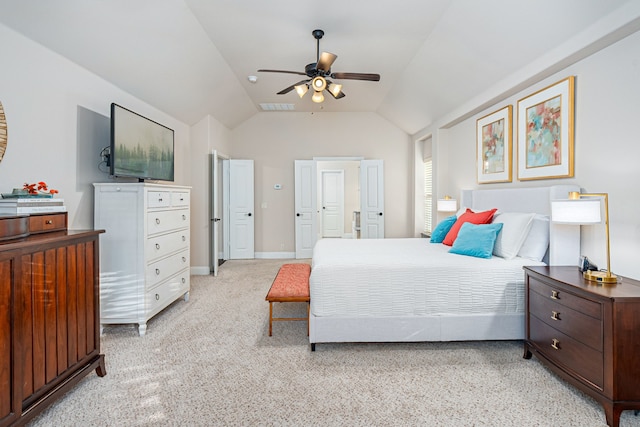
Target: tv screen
x=140, y=147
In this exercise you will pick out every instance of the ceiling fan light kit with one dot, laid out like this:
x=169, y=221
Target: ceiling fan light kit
x=317, y=74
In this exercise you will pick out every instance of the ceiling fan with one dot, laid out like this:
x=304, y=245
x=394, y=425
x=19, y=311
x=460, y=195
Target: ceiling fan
x=318, y=74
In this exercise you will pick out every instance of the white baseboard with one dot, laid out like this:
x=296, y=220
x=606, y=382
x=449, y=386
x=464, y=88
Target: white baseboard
x=200, y=271
x=275, y=255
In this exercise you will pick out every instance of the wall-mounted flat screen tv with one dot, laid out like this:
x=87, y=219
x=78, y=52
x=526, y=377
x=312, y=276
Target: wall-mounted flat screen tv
x=140, y=147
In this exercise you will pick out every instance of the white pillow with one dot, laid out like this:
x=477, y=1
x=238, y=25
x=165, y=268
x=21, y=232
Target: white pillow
x=515, y=229
x=537, y=242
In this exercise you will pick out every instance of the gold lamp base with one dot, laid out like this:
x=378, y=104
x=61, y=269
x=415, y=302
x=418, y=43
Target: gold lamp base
x=600, y=277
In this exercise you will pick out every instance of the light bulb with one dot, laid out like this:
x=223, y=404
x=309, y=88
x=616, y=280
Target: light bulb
x=301, y=90
x=317, y=97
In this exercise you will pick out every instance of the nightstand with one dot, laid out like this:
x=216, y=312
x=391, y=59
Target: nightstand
x=588, y=334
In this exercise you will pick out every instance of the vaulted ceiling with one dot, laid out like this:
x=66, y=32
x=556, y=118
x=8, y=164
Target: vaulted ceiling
x=191, y=58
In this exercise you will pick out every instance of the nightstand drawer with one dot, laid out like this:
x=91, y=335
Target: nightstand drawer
x=49, y=222
x=572, y=355
x=567, y=299
x=585, y=329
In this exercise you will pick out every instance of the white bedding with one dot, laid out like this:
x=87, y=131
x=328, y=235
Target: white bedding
x=410, y=277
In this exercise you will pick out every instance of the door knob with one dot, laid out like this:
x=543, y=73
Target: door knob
x=380, y=213
x=249, y=214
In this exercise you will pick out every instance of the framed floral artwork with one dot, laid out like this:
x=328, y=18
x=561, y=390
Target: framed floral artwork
x=545, y=132
x=494, y=146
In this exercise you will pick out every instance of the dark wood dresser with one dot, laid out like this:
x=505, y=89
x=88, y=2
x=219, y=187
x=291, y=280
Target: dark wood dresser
x=587, y=333
x=49, y=312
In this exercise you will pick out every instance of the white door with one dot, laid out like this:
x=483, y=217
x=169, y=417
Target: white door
x=214, y=212
x=305, y=207
x=241, y=213
x=371, y=199
x=332, y=203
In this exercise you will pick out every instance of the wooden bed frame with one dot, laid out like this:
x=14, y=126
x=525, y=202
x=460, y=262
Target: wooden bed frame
x=564, y=249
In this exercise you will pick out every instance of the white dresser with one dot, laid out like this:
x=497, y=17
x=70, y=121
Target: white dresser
x=144, y=253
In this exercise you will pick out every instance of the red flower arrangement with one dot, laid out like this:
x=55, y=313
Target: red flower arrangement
x=39, y=188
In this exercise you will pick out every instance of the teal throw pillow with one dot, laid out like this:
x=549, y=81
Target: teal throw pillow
x=440, y=232
x=476, y=240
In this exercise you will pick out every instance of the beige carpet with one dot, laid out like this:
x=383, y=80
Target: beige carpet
x=209, y=362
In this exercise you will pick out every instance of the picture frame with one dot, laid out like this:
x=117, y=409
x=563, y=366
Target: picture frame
x=494, y=146
x=545, y=132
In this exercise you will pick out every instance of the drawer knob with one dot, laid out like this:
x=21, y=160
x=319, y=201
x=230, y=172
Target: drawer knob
x=157, y=297
x=157, y=220
x=184, y=259
x=555, y=343
x=184, y=217
x=555, y=315
x=184, y=280
x=48, y=221
x=184, y=238
x=554, y=295
x=157, y=245
x=160, y=199
x=157, y=271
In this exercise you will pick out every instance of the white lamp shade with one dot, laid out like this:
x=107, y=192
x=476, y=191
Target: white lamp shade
x=576, y=211
x=447, y=205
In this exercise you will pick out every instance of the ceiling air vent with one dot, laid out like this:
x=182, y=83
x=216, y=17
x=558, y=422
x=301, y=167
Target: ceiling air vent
x=277, y=107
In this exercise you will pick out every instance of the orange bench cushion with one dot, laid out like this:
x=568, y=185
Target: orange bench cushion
x=291, y=283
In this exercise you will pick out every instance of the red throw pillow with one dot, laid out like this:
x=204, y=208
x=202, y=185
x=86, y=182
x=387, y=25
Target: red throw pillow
x=469, y=216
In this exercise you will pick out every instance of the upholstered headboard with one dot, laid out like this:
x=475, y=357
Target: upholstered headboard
x=564, y=240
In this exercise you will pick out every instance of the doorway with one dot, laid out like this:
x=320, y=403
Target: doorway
x=340, y=219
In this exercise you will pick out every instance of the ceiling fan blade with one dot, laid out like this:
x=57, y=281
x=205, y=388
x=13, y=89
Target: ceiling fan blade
x=326, y=61
x=290, y=88
x=283, y=71
x=357, y=76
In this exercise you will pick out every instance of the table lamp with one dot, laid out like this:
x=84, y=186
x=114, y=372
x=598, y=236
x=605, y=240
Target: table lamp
x=579, y=211
x=447, y=204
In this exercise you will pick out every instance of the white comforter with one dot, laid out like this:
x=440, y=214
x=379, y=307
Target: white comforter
x=410, y=277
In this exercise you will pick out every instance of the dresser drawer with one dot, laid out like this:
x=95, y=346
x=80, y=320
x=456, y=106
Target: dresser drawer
x=585, y=329
x=180, y=198
x=49, y=222
x=164, y=268
x=164, y=244
x=590, y=308
x=163, y=221
x=159, y=297
x=572, y=355
x=159, y=199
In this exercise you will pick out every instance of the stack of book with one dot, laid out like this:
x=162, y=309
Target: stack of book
x=31, y=205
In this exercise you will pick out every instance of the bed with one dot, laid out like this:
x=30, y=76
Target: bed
x=402, y=290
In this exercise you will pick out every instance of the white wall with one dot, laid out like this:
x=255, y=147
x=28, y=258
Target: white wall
x=275, y=140
x=607, y=149
x=58, y=121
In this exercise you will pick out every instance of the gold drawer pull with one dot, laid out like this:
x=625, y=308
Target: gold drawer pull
x=555, y=315
x=554, y=343
x=554, y=295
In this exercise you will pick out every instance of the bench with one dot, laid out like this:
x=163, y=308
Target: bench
x=290, y=285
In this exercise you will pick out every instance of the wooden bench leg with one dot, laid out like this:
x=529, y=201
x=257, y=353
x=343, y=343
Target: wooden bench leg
x=270, y=316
